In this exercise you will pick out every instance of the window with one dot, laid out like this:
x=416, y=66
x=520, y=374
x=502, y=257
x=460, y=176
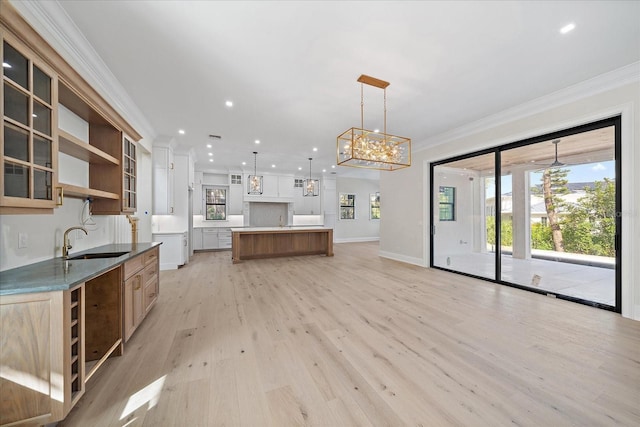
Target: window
x=236, y=179
x=447, y=196
x=215, y=203
x=347, y=206
x=374, y=206
x=298, y=183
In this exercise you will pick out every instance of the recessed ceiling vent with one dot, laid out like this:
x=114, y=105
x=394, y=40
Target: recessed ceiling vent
x=215, y=136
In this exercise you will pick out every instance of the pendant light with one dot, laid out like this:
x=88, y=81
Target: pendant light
x=254, y=184
x=362, y=148
x=311, y=186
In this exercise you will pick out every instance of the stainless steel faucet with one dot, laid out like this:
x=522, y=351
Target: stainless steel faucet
x=65, y=240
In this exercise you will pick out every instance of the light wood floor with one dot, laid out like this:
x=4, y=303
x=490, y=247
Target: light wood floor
x=360, y=340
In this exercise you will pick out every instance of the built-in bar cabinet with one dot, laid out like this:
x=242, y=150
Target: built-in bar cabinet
x=36, y=83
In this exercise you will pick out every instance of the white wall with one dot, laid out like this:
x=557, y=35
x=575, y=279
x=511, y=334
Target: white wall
x=362, y=228
x=455, y=237
x=44, y=232
x=404, y=227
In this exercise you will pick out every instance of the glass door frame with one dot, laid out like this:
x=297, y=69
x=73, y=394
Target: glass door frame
x=614, y=121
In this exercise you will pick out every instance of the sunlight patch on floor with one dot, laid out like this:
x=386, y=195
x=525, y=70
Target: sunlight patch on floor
x=150, y=394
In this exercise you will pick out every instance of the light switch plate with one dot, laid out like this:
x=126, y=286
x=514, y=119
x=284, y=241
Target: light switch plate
x=23, y=240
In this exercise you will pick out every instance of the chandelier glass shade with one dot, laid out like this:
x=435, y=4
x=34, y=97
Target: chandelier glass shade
x=311, y=187
x=359, y=147
x=254, y=183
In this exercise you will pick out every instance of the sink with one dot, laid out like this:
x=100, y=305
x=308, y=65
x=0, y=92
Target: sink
x=99, y=255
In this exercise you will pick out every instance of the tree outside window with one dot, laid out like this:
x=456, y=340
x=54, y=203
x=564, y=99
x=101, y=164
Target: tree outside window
x=374, y=206
x=347, y=206
x=215, y=203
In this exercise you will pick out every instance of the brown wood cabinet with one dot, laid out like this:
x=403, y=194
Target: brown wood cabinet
x=31, y=340
x=51, y=344
x=37, y=82
x=28, y=151
x=254, y=243
x=140, y=289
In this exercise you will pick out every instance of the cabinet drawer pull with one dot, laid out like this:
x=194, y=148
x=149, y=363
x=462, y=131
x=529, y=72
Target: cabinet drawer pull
x=138, y=282
x=60, y=198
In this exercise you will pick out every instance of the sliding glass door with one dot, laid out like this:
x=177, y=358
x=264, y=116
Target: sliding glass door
x=549, y=224
x=463, y=216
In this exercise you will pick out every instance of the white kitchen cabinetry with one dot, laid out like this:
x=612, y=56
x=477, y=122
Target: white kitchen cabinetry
x=234, y=206
x=163, y=180
x=285, y=187
x=224, y=238
x=197, y=193
x=269, y=186
x=216, y=238
x=197, y=239
x=275, y=188
x=174, y=251
x=305, y=205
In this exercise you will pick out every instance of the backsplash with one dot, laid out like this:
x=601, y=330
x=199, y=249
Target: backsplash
x=268, y=214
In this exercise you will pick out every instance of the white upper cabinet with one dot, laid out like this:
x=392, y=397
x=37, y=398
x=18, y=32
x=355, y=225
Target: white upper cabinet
x=285, y=187
x=163, y=180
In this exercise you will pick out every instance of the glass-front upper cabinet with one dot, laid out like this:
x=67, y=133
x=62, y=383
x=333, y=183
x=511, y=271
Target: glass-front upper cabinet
x=28, y=145
x=129, y=202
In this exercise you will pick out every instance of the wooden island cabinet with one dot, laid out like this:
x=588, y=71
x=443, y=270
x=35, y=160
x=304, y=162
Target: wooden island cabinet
x=270, y=242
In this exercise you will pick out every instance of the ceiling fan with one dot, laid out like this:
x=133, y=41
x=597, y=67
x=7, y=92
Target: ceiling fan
x=556, y=163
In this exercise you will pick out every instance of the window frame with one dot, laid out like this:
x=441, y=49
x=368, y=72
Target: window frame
x=450, y=203
x=345, y=208
x=205, y=203
x=374, y=203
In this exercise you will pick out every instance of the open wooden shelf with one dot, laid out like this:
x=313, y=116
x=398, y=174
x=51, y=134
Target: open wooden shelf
x=84, y=192
x=73, y=146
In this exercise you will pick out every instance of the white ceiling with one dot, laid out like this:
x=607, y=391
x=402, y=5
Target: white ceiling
x=290, y=68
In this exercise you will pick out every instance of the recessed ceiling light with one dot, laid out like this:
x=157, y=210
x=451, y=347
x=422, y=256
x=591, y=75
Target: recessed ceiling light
x=333, y=166
x=324, y=170
x=209, y=145
x=257, y=141
x=181, y=131
x=567, y=28
x=244, y=163
x=6, y=65
x=315, y=148
x=229, y=103
x=273, y=166
x=211, y=160
x=376, y=130
x=299, y=168
x=211, y=154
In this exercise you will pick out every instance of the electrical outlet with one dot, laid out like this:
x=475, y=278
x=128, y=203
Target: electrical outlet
x=23, y=240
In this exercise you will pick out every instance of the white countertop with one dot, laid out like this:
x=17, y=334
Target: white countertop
x=157, y=233
x=302, y=227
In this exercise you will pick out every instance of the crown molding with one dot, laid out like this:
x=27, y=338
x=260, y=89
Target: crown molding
x=602, y=83
x=53, y=23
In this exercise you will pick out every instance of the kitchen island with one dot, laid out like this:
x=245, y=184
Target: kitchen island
x=271, y=242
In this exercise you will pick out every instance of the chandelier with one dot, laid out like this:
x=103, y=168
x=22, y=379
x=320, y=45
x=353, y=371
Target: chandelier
x=363, y=148
x=254, y=184
x=311, y=186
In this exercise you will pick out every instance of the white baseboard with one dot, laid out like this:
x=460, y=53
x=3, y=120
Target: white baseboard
x=357, y=239
x=402, y=258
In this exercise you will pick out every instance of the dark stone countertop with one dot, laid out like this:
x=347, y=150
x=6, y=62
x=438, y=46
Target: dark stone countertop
x=51, y=275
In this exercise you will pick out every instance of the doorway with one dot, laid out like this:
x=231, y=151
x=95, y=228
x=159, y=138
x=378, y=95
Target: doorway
x=540, y=214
